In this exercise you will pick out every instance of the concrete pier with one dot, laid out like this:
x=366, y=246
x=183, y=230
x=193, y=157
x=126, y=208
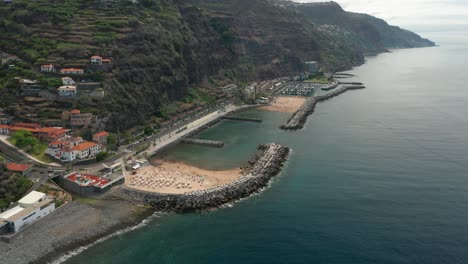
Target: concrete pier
x=203, y=142
x=248, y=119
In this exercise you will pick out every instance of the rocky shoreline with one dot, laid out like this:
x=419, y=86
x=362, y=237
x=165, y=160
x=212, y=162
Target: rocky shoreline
x=71, y=227
x=262, y=169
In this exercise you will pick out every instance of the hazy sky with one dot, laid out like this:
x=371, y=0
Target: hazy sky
x=417, y=15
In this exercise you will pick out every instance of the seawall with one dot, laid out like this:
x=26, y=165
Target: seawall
x=263, y=168
x=299, y=118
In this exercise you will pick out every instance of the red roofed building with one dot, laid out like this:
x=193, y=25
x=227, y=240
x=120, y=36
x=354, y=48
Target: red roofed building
x=101, y=137
x=80, y=119
x=48, y=68
x=42, y=133
x=28, y=125
x=83, y=150
x=24, y=169
x=96, y=60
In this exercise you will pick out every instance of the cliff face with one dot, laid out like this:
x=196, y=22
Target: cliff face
x=160, y=49
x=364, y=32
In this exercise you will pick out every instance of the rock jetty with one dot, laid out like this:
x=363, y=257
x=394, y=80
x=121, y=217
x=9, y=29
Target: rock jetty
x=203, y=142
x=337, y=92
x=261, y=170
x=299, y=118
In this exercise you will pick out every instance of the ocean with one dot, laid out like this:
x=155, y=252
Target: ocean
x=378, y=175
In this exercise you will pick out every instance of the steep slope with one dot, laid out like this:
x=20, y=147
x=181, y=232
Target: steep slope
x=363, y=32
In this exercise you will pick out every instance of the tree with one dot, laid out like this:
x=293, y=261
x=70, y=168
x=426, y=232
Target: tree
x=24, y=138
x=101, y=156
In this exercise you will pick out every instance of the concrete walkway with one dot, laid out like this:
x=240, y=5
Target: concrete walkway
x=172, y=137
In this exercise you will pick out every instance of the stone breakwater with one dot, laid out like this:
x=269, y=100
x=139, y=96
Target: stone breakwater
x=203, y=142
x=261, y=170
x=337, y=92
x=299, y=118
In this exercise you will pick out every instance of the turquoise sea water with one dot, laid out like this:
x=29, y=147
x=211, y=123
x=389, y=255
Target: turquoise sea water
x=377, y=176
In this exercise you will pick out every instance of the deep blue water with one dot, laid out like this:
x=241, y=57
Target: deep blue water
x=377, y=176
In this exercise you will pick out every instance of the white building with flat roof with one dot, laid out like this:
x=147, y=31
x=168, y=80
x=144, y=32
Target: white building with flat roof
x=31, y=208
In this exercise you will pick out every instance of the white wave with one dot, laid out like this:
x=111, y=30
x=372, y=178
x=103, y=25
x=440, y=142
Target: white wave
x=80, y=250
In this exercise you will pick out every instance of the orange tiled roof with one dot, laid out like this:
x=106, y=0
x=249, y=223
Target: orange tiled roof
x=84, y=146
x=96, y=57
x=101, y=134
x=29, y=125
x=18, y=167
x=75, y=111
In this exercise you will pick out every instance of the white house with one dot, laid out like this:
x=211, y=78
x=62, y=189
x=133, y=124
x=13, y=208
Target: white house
x=97, y=60
x=87, y=150
x=64, y=144
x=67, y=81
x=30, y=208
x=4, y=130
x=67, y=91
x=48, y=68
x=83, y=150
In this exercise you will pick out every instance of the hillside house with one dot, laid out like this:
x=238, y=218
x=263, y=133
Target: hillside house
x=7, y=58
x=101, y=137
x=83, y=150
x=48, y=68
x=98, y=60
x=75, y=71
x=67, y=91
x=80, y=119
x=67, y=81
x=23, y=169
x=42, y=133
x=63, y=143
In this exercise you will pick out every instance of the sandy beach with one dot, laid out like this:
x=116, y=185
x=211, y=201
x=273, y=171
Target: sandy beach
x=286, y=104
x=177, y=177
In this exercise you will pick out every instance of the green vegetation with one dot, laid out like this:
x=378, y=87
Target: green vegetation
x=200, y=96
x=223, y=31
x=25, y=140
x=317, y=78
x=12, y=187
x=104, y=37
x=101, y=156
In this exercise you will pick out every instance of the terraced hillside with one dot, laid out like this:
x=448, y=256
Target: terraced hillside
x=167, y=55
